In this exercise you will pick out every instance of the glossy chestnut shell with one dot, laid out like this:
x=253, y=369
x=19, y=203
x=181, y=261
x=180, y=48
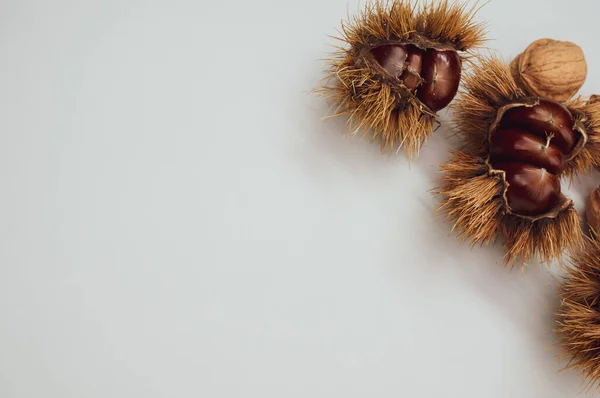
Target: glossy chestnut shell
x=433, y=74
x=532, y=144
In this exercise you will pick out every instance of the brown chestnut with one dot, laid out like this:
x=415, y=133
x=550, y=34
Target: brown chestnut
x=391, y=57
x=543, y=119
x=441, y=73
x=432, y=74
x=518, y=145
x=530, y=146
x=532, y=190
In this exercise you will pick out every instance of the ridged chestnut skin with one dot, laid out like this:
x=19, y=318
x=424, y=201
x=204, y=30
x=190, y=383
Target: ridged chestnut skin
x=530, y=145
x=547, y=117
x=532, y=189
x=518, y=145
x=434, y=75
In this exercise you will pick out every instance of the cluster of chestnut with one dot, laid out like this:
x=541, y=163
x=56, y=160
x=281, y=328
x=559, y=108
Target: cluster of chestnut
x=522, y=129
x=531, y=145
x=432, y=74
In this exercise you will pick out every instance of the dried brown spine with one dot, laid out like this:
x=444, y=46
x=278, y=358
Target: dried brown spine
x=588, y=115
x=578, y=319
x=375, y=103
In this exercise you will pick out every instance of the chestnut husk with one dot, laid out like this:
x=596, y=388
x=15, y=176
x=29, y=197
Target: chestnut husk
x=388, y=98
x=473, y=193
x=578, y=318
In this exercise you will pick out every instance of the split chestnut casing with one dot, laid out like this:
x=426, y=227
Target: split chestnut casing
x=400, y=62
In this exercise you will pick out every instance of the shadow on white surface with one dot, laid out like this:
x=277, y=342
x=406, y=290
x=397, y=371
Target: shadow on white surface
x=526, y=297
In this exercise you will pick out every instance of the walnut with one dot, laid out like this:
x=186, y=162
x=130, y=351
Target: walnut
x=551, y=69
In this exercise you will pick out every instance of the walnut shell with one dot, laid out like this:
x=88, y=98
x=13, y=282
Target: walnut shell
x=551, y=69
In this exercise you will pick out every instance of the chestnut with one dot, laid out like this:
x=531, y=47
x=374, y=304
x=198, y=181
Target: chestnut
x=547, y=117
x=391, y=57
x=386, y=53
x=530, y=146
x=518, y=145
x=532, y=190
x=434, y=74
x=441, y=73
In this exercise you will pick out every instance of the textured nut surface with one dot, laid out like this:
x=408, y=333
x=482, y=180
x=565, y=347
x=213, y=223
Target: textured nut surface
x=530, y=145
x=550, y=68
x=514, y=71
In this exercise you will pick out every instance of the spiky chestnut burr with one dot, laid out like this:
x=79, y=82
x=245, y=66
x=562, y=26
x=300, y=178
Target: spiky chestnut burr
x=504, y=181
x=401, y=63
x=578, y=318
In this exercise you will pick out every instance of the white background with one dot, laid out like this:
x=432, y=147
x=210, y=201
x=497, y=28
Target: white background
x=176, y=220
